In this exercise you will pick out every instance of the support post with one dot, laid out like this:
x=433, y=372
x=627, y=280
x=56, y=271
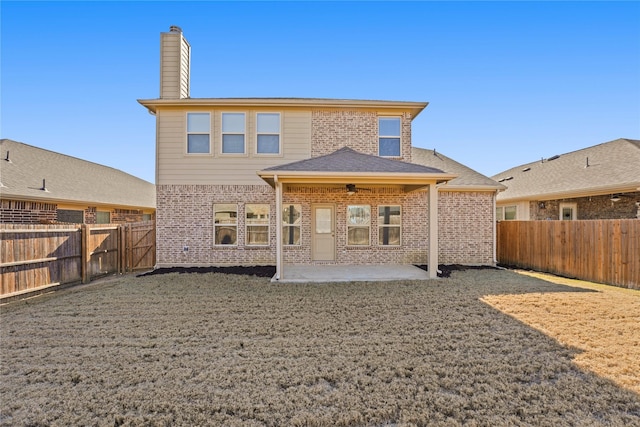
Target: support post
x=278, y=275
x=433, y=231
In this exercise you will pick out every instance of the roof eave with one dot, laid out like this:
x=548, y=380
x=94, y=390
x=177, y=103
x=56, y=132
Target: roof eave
x=391, y=178
x=585, y=192
x=415, y=107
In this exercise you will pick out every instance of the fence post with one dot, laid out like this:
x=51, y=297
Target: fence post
x=86, y=257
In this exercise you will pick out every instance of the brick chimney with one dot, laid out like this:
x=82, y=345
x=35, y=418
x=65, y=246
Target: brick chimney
x=175, y=63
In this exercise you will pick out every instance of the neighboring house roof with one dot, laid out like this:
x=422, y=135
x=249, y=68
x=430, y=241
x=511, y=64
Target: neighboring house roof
x=68, y=179
x=348, y=163
x=610, y=167
x=468, y=179
x=414, y=107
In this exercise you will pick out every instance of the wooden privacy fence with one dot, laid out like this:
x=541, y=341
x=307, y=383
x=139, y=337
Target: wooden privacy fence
x=35, y=257
x=603, y=251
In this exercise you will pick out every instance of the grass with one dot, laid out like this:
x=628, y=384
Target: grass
x=215, y=349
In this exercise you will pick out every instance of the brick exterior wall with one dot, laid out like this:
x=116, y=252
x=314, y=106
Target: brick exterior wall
x=465, y=227
x=185, y=218
x=335, y=129
x=23, y=212
x=594, y=207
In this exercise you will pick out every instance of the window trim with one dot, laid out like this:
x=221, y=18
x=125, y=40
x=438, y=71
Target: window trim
x=187, y=133
x=247, y=225
x=348, y=227
x=222, y=245
x=257, y=133
x=243, y=133
x=389, y=136
x=381, y=226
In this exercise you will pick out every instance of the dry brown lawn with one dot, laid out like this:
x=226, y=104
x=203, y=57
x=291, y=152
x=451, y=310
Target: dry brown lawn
x=604, y=325
x=214, y=349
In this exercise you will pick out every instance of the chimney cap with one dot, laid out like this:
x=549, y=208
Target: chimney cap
x=175, y=29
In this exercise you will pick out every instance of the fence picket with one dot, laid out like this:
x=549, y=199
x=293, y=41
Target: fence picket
x=604, y=251
x=41, y=256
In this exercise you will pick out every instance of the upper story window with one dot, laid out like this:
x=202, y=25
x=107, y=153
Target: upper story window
x=389, y=136
x=198, y=133
x=268, y=133
x=233, y=140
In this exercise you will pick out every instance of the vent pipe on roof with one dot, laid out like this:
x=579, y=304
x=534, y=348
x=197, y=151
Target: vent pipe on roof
x=44, y=185
x=7, y=158
x=587, y=165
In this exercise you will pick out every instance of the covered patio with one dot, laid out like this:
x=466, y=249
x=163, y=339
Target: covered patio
x=351, y=169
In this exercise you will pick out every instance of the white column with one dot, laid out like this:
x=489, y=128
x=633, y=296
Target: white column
x=278, y=228
x=433, y=231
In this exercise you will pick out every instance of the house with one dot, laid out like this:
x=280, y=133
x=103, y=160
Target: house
x=39, y=186
x=599, y=182
x=264, y=181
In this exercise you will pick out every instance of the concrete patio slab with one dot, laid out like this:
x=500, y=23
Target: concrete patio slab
x=350, y=273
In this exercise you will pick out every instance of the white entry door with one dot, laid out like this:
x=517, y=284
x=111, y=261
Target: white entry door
x=324, y=233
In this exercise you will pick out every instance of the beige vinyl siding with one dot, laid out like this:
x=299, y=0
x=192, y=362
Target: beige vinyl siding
x=175, y=166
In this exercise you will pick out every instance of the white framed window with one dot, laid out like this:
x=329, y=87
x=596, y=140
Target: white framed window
x=291, y=222
x=198, y=133
x=358, y=225
x=268, y=133
x=233, y=133
x=389, y=225
x=389, y=136
x=506, y=213
x=225, y=224
x=568, y=211
x=257, y=225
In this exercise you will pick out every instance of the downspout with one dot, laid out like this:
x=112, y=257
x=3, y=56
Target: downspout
x=278, y=228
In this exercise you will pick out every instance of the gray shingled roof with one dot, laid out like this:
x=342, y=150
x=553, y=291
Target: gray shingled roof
x=612, y=167
x=68, y=179
x=349, y=160
x=467, y=177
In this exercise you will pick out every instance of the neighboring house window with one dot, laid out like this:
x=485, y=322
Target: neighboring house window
x=291, y=219
x=70, y=216
x=268, y=133
x=257, y=225
x=103, y=217
x=389, y=136
x=358, y=225
x=146, y=217
x=198, y=133
x=225, y=223
x=568, y=211
x=506, y=213
x=389, y=225
x=233, y=125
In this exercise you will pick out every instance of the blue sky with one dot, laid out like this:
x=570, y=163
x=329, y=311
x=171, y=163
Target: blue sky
x=507, y=82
